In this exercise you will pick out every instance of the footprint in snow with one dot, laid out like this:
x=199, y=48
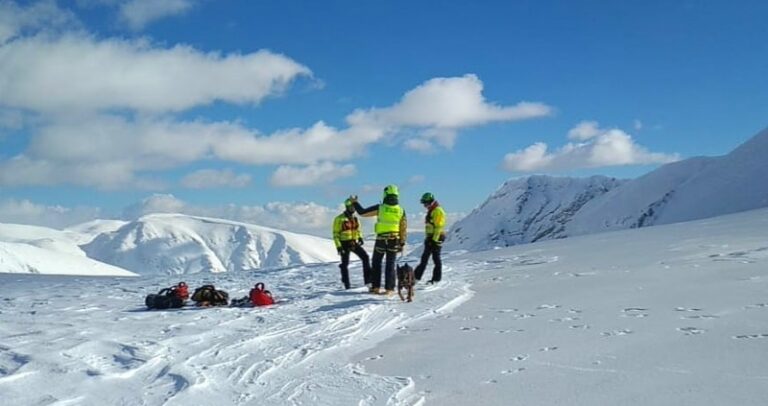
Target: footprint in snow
x=687, y=309
x=757, y=306
x=470, y=328
x=548, y=306
x=562, y=319
x=701, y=316
x=750, y=336
x=689, y=331
x=637, y=312
x=375, y=357
x=547, y=349
x=613, y=333
x=520, y=357
x=512, y=371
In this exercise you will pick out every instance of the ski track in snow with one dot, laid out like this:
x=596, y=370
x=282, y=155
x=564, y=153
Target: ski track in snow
x=622, y=321
x=299, y=351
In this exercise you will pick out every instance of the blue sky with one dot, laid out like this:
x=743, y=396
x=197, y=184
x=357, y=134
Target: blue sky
x=273, y=112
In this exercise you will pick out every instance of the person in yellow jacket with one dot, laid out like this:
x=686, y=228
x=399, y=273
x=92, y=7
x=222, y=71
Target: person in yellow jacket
x=391, y=228
x=434, y=228
x=348, y=238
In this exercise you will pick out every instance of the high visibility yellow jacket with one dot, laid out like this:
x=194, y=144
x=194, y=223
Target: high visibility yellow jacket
x=434, y=223
x=390, y=219
x=346, y=228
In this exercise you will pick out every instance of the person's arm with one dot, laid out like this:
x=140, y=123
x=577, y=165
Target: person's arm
x=368, y=211
x=337, y=231
x=403, y=229
x=358, y=235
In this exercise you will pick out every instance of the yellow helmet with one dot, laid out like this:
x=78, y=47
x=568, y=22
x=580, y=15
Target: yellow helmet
x=391, y=190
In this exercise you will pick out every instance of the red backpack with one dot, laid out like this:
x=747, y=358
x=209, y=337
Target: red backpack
x=260, y=296
x=181, y=291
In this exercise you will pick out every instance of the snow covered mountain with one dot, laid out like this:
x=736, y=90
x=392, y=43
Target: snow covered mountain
x=180, y=244
x=541, y=208
x=42, y=250
x=526, y=210
x=693, y=189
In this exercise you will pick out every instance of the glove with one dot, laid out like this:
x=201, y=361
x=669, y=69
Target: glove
x=360, y=242
x=353, y=198
x=437, y=243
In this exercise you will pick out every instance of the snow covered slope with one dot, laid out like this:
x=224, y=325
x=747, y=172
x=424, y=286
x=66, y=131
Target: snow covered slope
x=668, y=315
x=526, y=210
x=27, y=258
x=42, y=250
x=541, y=208
x=693, y=189
x=180, y=244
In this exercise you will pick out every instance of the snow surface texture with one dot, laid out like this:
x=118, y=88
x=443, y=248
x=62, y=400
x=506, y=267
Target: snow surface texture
x=541, y=208
x=668, y=315
x=179, y=244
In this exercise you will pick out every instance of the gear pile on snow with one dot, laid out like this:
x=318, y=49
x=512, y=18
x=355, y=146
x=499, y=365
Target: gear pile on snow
x=173, y=297
x=208, y=295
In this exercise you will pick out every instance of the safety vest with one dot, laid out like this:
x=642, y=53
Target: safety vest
x=434, y=222
x=346, y=229
x=388, y=219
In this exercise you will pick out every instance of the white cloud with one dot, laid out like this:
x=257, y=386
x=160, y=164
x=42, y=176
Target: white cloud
x=111, y=152
x=440, y=107
x=532, y=158
x=601, y=147
x=79, y=73
x=158, y=203
x=94, y=148
x=296, y=146
x=304, y=217
x=326, y=172
x=212, y=178
x=27, y=212
x=452, y=103
x=584, y=131
x=138, y=13
x=39, y=16
x=420, y=145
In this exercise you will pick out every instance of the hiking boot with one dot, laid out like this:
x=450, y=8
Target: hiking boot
x=388, y=293
x=375, y=291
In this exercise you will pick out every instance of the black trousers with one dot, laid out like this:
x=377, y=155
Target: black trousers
x=385, y=247
x=433, y=250
x=353, y=246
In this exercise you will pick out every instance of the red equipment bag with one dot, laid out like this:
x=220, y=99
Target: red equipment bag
x=260, y=296
x=181, y=291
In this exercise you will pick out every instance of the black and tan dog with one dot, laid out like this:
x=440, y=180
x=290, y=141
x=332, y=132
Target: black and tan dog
x=406, y=279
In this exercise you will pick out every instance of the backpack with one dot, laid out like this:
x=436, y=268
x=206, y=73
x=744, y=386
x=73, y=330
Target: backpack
x=181, y=291
x=164, y=299
x=260, y=296
x=207, y=295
